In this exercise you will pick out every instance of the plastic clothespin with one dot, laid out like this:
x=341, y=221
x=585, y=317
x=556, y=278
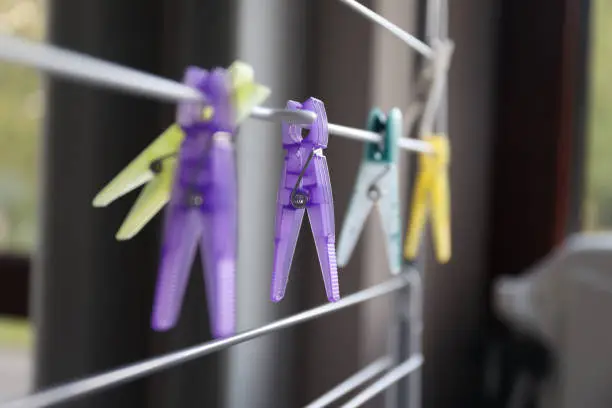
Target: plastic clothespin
x=305, y=185
x=431, y=192
x=192, y=166
x=377, y=184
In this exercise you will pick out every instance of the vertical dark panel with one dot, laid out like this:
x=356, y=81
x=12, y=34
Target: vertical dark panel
x=541, y=76
x=455, y=293
x=92, y=295
x=538, y=165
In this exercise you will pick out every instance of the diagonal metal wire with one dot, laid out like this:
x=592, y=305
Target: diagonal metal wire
x=413, y=42
x=80, y=67
x=384, y=382
x=131, y=372
x=356, y=380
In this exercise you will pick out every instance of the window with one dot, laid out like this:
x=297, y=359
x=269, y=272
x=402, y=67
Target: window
x=20, y=121
x=21, y=112
x=598, y=204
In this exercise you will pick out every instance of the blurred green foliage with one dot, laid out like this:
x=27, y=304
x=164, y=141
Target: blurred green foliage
x=15, y=333
x=21, y=101
x=598, y=203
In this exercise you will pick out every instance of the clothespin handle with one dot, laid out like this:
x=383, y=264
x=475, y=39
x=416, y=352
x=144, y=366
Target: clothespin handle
x=431, y=192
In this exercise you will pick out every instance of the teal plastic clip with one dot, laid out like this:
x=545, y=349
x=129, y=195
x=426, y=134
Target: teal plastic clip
x=377, y=185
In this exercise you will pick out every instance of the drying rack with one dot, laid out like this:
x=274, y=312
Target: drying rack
x=404, y=358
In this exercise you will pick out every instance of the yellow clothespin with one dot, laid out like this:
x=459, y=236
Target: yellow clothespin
x=431, y=192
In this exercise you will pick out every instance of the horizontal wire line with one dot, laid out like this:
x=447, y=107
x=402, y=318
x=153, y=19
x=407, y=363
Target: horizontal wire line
x=384, y=382
x=76, y=66
x=131, y=372
x=356, y=380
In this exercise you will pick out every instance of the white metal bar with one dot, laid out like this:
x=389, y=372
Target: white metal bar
x=72, y=65
x=131, y=372
x=368, y=136
x=409, y=39
x=279, y=115
x=76, y=66
x=351, y=383
x=384, y=382
x=415, y=145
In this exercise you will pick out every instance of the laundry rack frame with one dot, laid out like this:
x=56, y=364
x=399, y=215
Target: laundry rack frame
x=203, y=64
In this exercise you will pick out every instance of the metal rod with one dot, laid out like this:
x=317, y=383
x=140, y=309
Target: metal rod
x=409, y=39
x=102, y=381
x=75, y=66
x=405, y=339
x=384, y=382
x=415, y=145
x=299, y=117
x=415, y=324
x=351, y=383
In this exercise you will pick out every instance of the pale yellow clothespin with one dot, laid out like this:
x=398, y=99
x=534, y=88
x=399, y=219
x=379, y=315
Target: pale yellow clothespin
x=431, y=193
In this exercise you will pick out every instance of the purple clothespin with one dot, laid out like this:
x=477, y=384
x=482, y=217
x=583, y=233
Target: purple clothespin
x=305, y=184
x=202, y=209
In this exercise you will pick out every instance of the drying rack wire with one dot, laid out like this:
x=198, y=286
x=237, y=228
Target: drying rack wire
x=132, y=372
x=395, y=366
x=79, y=67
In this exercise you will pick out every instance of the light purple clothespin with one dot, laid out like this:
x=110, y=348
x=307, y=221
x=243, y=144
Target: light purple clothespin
x=202, y=209
x=305, y=184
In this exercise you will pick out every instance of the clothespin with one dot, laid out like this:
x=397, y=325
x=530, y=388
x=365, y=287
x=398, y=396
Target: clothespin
x=377, y=185
x=305, y=185
x=431, y=192
x=192, y=166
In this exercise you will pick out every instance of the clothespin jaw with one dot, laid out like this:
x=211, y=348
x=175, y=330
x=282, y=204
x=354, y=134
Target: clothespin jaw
x=157, y=163
x=431, y=193
x=376, y=185
x=305, y=186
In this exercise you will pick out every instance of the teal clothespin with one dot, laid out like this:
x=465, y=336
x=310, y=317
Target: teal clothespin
x=377, y=185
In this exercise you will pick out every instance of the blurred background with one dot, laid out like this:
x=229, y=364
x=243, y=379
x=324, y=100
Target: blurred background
x=530, y=117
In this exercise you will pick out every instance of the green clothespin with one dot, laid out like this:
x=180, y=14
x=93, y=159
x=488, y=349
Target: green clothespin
x=377, y=185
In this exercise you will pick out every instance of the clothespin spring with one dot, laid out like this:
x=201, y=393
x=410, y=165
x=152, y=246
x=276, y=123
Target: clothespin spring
x=374, y=192
x=299, y=198
x=156, y=165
